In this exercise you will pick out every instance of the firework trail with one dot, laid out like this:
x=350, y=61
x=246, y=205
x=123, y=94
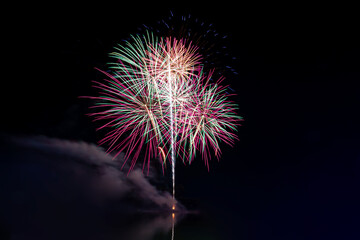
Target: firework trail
x=172, y=130
x=159, y=102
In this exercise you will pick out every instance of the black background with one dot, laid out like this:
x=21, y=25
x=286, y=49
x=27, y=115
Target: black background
x=295, y=172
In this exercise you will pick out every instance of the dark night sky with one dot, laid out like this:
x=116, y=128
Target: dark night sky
x=294, y=173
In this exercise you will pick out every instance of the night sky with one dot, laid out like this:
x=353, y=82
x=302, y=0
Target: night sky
x=294, y=174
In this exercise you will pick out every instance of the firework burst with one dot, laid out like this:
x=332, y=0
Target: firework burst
x=158, y=101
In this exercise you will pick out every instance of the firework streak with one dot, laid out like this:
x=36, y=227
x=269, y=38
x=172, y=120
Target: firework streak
x=157, y=100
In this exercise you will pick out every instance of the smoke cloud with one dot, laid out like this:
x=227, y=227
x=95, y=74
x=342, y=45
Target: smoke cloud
x=107, y=178
x=48, y=183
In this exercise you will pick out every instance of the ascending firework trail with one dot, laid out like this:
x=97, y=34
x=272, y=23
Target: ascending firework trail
x=158, y=100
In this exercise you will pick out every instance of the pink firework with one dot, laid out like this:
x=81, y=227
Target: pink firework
x=158, y=102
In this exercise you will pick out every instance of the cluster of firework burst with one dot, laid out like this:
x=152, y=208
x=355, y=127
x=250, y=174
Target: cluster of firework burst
x=159, y=101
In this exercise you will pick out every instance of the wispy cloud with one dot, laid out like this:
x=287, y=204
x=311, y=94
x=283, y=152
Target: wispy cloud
x=106, y=177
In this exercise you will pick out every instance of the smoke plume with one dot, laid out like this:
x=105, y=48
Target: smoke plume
x=48, y=183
